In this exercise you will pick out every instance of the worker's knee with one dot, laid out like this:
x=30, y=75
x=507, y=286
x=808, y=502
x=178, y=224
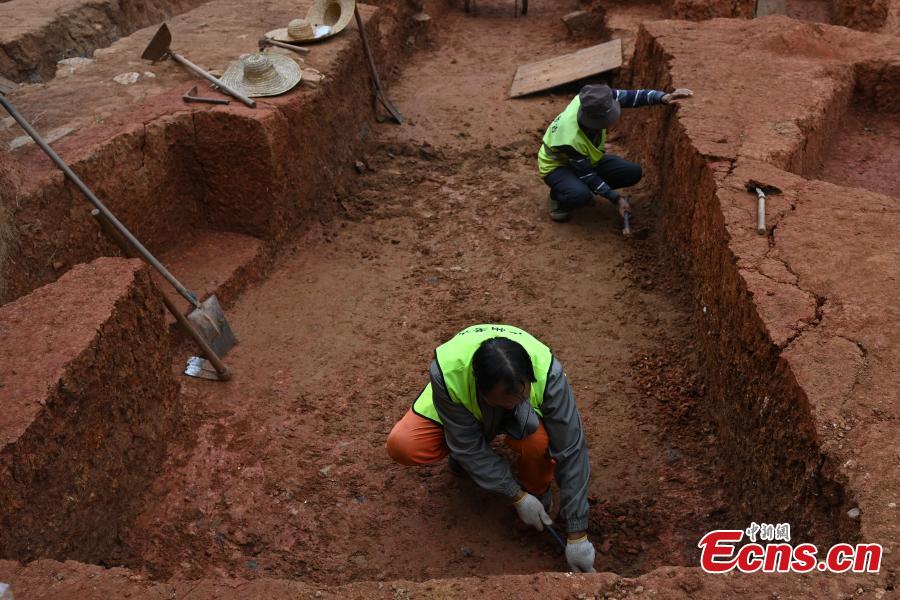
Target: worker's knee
x=398, y=446
x=631, y=174
x=536, y=445
x=627, y=174
x=415, y=440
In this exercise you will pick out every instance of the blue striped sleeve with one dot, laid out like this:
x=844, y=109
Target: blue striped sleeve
x=638, y=98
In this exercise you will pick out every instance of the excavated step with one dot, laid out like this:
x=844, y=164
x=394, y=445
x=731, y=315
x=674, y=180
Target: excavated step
x=212, y=262
x=88, y=404
x=34, y=36
x=166, y=168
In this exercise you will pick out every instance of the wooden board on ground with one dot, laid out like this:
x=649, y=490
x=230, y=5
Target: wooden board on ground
x=546, y=74
x=7, y=86
x=764, y=8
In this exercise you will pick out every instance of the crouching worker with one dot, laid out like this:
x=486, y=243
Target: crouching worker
x=493, y=379
x=572, y=159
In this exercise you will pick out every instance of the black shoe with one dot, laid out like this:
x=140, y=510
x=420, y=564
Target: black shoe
x=558, y=214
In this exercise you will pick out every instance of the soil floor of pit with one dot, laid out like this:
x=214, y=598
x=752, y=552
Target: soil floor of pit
x=283, y=472
x=870, y=143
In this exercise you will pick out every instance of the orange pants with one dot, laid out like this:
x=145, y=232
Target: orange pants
x=415, y=440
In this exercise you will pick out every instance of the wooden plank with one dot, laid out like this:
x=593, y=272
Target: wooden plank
x=7, y=86
x=549, y=73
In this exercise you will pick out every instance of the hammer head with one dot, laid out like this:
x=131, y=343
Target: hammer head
x=263, y=42
x=767, y=189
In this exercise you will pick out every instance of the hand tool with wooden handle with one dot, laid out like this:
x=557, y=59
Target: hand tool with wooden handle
x=207, y=316
x=158, y=49
x=376, y=80
x=263, y=42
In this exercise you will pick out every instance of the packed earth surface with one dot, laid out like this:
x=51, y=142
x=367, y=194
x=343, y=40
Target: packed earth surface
x=722, y=376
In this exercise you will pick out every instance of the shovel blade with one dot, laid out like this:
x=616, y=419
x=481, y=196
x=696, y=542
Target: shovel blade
x=210, y=321
x=389, y=106
x=201, y=368
x=159, y=45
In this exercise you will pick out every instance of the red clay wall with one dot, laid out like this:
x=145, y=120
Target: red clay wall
x=166, y=170
x=35, y=35
x=699, y=10
x=89, y=402
x=769, y=443
x=865, y=15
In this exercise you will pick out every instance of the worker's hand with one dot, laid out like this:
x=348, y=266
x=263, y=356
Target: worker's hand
x=677, y=95
x=624, y=205
x=580, y=555
x=531, y=511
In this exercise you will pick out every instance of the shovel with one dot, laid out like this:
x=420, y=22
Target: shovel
x=376, y=81
x=207, y=317
x=158, y=49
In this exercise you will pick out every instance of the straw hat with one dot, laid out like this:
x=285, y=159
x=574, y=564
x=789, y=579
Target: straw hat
x=262, y=74
x=334, y=13
x=300, y=30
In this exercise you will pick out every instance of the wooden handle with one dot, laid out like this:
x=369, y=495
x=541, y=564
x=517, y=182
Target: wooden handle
x=209, y=77
x=298, y=49
x=761, y=215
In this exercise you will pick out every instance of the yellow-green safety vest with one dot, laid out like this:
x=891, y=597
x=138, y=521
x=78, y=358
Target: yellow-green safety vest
x=454, y=359
x=564, y=131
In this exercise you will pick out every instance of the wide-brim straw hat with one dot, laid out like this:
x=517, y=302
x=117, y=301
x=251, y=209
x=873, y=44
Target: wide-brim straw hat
x=262, y=74
x=300, y=30
x=334, y=13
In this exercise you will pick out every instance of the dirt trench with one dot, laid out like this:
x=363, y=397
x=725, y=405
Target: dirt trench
x=283, y=473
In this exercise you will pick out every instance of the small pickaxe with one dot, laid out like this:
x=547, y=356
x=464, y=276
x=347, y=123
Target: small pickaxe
x=191, y=96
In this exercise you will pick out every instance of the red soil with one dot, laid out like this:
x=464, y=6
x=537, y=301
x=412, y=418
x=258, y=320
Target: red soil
x=757, y=385
x=866, y=153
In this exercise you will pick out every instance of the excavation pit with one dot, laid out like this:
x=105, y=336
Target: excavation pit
x=278, y=484
x=868, y=135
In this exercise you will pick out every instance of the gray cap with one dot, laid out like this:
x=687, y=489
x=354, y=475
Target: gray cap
x=599, y=107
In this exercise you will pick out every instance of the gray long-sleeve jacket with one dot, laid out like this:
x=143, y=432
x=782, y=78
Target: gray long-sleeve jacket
x=468, y=442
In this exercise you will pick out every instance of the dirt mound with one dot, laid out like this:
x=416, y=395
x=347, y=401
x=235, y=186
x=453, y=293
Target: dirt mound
x=89, y=404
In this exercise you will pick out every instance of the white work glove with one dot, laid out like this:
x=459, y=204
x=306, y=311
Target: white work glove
x=580, y=555
x=532, y=512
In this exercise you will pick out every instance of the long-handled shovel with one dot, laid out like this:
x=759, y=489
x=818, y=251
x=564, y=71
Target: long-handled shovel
x=207, y=317
x=221, y=371
x=158, y=49
x=376, y=81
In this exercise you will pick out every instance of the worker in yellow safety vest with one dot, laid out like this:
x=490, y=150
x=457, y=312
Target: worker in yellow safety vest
x=499, y=379
x=572, y=159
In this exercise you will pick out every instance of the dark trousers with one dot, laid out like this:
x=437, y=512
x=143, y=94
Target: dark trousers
x=570, y=192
